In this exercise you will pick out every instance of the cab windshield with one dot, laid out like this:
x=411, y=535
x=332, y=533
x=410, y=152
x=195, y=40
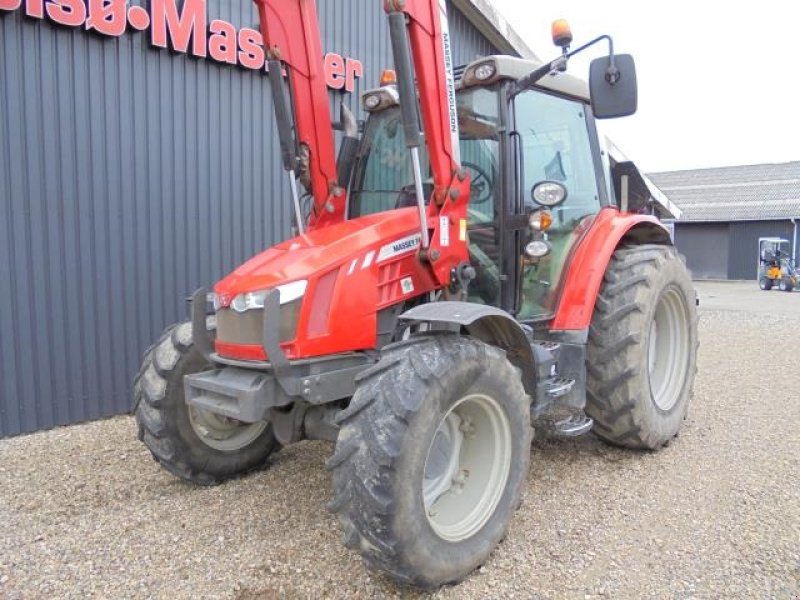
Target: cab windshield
x=384, y=180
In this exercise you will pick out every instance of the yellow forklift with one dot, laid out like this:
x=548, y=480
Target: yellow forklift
x=775, y=265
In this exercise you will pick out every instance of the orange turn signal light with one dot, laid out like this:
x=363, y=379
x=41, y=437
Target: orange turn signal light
x=562, y=34
x=540, y=220
x=388, y=77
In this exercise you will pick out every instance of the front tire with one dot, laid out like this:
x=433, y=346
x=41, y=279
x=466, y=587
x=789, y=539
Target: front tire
x=642, y=351
x=193, y=444
x=765, y=284
x=431, y=458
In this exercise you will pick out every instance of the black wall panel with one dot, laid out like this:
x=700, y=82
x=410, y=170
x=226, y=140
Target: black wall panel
x=705, y=246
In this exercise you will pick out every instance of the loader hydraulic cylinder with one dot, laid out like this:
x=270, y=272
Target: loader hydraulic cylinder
x=401, y=50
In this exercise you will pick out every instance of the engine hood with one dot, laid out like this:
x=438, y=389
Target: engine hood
x=316, y=252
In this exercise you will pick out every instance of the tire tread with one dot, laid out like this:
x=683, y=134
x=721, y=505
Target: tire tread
x=161, y=366
x=370, y=442
x=615, y=338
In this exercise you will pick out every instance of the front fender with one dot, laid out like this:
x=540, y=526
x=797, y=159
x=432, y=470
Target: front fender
x=486, y=323
x=584, y=276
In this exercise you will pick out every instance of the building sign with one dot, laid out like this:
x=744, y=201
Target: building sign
x=182, y=27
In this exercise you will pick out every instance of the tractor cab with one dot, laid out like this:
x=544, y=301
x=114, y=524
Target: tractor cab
x=536, y=169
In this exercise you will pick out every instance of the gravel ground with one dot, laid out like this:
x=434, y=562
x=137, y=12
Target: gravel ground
x=85, y=512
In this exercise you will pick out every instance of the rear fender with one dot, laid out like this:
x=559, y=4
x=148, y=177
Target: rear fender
x=486, y=323
x=610, y=230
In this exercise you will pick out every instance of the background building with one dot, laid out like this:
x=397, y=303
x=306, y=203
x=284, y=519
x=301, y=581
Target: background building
x=138, y=162
x=725, y=210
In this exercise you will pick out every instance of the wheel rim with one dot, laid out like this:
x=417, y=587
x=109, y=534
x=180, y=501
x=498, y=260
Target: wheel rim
x=668, y=349
x=223, y=433
x=467, y=467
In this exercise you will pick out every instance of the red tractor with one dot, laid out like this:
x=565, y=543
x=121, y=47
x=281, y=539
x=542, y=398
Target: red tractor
x=447, y=294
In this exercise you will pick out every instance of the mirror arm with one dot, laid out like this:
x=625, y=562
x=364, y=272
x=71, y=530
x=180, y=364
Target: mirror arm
x=592, y=43
x=560, y=64
x=612, y=73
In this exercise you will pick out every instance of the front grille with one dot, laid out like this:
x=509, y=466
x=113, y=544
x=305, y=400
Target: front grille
x=240, y=328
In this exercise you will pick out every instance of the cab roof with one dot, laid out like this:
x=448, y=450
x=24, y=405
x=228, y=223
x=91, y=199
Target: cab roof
x=511, y=67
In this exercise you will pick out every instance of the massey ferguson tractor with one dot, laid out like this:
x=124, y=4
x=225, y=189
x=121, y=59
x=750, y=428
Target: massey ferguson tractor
x=469, y=270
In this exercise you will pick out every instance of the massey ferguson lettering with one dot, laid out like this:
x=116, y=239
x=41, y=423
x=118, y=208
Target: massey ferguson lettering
x=182, y=27
x=398, y=247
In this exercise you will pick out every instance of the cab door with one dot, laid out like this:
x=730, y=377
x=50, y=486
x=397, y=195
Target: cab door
x=556, y=142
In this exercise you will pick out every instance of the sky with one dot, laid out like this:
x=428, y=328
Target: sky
x=719, y=82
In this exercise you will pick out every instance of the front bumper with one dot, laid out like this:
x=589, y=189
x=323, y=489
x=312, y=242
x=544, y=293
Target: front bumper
x=247, y=391
x=248, y=394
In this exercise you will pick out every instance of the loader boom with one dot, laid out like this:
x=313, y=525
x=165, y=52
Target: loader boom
x=429, y=46
x=430, y=51
x=291, y=35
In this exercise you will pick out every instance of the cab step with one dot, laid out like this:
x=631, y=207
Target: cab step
x=565, y=427
x=558, y=386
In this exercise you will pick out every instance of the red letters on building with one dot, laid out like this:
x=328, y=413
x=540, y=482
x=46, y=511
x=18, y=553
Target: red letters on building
x=10, y=4
x=341, y=73
x=354, y=69
x=35, y=9
x=67, y=12
x=251, y=55
x=334, y=71
x=179, y=26
x=107, y=17
x=222, y=41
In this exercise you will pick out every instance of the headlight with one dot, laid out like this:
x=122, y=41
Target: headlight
x=549, y=193
x=538, y=248
x=372, y=101
x=214, y=299
x=380, y=99
x=480, y=74
x=289, y=292
x=484, y=71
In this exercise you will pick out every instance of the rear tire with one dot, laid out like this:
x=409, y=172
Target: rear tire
x=765, y=283
x=192, y=444
x=642, y=351
x=786, y=285
x=400, y=499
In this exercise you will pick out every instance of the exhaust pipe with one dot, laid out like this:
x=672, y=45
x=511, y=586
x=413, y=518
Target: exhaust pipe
x=349, y=148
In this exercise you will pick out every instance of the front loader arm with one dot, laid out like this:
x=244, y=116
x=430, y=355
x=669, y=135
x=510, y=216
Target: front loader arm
x=291, y=35
x=429, y=45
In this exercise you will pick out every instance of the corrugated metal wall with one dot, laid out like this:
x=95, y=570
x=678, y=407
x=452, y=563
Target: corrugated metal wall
x=705, y=246
x=130, y=176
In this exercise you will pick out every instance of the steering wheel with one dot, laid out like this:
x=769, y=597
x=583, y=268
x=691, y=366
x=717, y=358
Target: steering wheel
x=481, y=185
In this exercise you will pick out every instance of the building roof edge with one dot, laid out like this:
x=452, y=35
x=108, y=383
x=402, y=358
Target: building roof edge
x=488, y=20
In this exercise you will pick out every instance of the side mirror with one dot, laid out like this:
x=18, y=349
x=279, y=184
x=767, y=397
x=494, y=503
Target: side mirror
x=612, y=86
